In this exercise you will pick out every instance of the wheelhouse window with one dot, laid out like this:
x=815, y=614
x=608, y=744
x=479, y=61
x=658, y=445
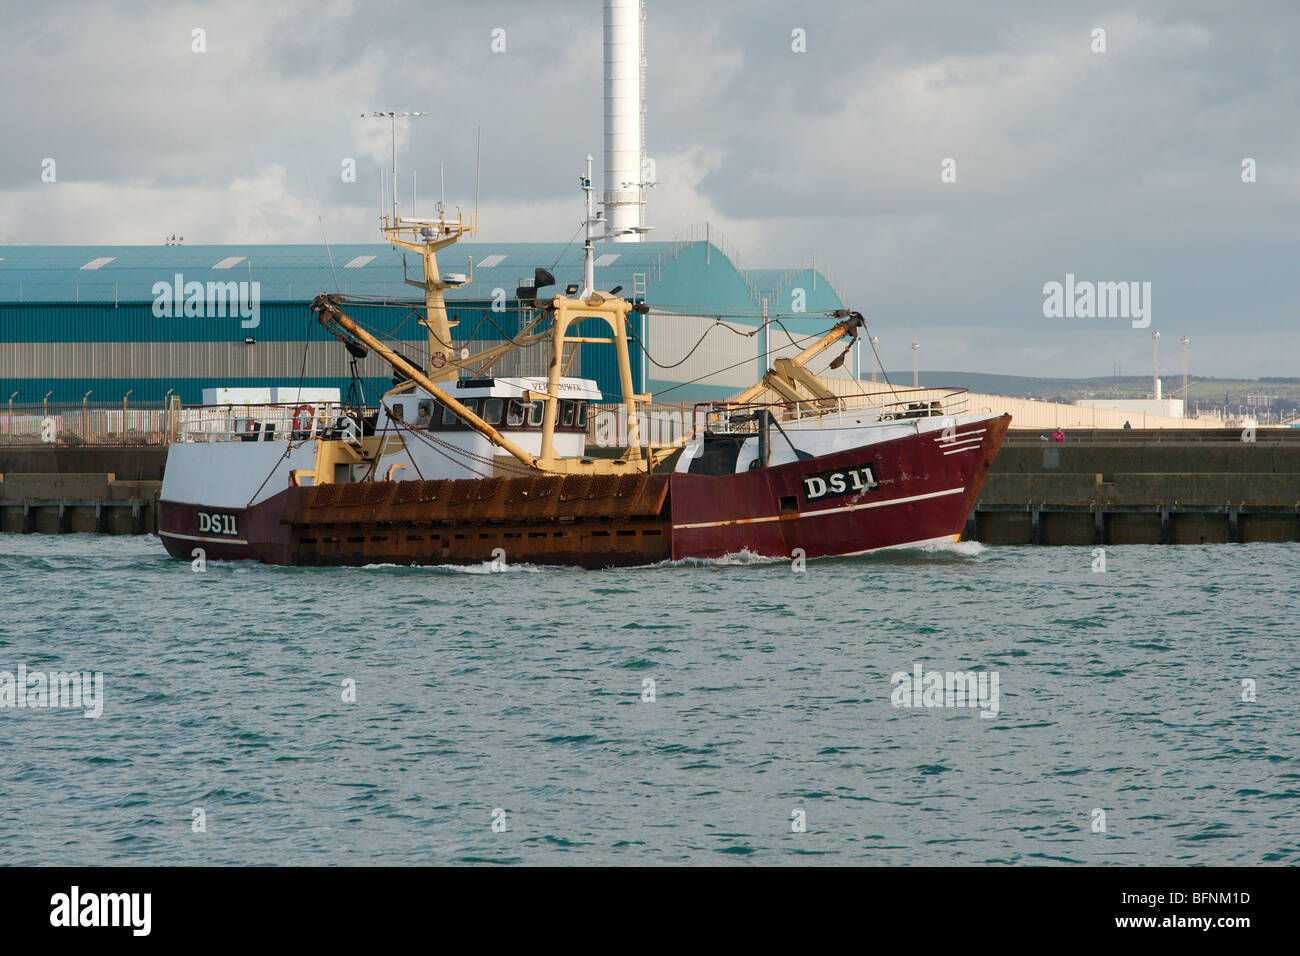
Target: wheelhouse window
x=535, y=413
x=492, y=410
x=580, y=414
x=566, y=414
x=449, y=417
x=515, y=413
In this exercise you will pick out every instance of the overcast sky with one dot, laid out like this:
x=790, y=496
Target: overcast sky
x=1123, y=165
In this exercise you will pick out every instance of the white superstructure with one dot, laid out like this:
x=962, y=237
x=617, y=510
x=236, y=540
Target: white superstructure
x=234, y=456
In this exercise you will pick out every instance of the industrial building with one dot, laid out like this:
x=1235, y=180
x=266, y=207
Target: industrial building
x=98, y=325
x=109, y=321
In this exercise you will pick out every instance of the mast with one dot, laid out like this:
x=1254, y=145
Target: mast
x=426, y=237
x=588, y=249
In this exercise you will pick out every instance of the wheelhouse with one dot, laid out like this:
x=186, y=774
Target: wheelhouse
x=509, y=405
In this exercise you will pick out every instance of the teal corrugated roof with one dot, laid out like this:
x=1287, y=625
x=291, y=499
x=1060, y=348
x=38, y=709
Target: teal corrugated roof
x=56, y=273
x=695, y=276
x=780, y=285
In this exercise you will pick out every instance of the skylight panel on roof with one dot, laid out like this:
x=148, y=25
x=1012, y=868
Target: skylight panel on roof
x=99, y=263
x=607, y=259
x=359, y=261
x=229, y=262
x=487, y=262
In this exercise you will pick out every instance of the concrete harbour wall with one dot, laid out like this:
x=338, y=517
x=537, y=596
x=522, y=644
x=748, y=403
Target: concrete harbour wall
x=1097, y=488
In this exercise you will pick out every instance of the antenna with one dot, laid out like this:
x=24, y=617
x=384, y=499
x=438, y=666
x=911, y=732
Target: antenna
x=319, y=218
x=478, y=168
x=392, y=118
x=588, y=253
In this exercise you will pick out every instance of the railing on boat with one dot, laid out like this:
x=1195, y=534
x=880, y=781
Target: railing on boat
x=663, y=424
x=83, y=423
x=267, y=422
x=659, y=424
x=904, y=404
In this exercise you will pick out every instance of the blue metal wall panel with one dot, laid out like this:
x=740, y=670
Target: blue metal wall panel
x=693, y=277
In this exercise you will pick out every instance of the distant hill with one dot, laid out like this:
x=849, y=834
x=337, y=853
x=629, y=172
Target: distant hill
x=1281, y=394
x=1013, y=385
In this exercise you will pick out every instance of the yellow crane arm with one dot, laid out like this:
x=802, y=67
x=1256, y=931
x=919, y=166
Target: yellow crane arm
x=332, y=317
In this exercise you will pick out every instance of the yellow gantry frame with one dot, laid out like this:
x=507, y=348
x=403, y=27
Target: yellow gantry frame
x=612, y=310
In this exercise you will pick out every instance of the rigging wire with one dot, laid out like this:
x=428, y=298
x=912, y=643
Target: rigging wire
x=405, y=448
x=728, y=368
x=633, y=336
x=439, y=444
x=418, y=346
x=290, y=446
x=319, y=218
x=581, y=226
x=719, y=316
x=306, y=339
x=662, y=310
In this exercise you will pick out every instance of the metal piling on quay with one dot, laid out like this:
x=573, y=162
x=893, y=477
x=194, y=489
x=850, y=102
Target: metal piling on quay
x=1134, y=487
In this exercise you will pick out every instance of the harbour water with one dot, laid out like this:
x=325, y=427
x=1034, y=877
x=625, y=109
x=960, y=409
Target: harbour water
x=671, y=714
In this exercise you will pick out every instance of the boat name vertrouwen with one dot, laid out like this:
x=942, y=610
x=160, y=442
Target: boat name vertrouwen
x=1098, y=300
x=217, y=300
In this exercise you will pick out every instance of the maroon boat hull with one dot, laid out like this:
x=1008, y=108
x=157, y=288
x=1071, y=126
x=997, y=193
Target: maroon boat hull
x=923, y=491
x=914, y=489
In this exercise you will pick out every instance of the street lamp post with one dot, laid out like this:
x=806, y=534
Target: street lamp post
x=1184, y=340
x=1155, y=364
x=875, y=340
x=916, y=368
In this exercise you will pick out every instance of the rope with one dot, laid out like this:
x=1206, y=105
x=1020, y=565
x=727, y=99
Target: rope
x=718, y=323
x=729, y=367
x=302, y=375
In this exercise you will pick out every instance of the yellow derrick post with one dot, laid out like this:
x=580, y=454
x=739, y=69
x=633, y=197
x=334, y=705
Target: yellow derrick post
x=848, y=326
x=798, y=375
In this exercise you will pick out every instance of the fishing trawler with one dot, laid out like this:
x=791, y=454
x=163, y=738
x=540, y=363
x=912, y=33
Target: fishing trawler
x=457, y=466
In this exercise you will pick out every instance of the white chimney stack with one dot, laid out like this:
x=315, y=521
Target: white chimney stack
x=624, y=107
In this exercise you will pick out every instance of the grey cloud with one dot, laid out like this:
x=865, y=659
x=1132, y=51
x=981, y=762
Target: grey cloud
x=1117, y=166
